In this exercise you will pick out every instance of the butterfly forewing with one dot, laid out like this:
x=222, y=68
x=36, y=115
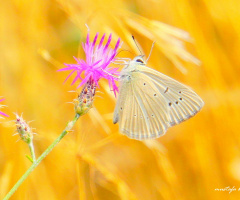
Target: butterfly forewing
x=142, y=111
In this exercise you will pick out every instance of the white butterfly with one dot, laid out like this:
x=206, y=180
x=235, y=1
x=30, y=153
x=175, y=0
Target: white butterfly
x=150, y=102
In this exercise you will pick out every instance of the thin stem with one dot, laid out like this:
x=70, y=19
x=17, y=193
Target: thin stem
x=44, y=154
x=31, y=147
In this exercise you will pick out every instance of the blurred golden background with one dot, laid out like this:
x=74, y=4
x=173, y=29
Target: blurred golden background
x=94, y=162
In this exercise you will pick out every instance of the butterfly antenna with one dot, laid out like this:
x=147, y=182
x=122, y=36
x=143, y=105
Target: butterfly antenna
x=137, y=45
x=150, y=51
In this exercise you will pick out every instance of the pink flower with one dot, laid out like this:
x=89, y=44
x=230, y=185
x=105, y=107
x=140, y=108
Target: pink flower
x=1, y=113
x=96, y=66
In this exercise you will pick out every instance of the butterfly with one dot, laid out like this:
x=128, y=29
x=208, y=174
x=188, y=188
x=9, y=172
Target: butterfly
x=150, y=102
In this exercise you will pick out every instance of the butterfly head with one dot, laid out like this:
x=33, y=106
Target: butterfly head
x=139, y=60
x=133, y=64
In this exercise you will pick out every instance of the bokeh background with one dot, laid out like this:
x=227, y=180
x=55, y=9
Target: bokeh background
x=94, y=161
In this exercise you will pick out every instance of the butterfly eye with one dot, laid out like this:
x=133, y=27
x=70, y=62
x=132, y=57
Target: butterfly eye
x=139, y=60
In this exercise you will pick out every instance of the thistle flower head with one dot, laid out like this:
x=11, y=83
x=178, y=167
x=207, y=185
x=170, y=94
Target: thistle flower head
x=23, y=129
x=96, y=65
x=1, y=113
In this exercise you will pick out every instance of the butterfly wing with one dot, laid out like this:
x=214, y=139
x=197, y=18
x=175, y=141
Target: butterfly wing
x=149, y=102
x=141, y=111
x=182, y=102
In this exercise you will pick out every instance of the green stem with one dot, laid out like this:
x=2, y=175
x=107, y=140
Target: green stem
x=31, y=147
x=44, y=154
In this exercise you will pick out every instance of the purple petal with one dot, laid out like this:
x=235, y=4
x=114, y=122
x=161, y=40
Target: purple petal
x=84, y=80
x=108, y=42
x=109, y=60
x=101, y=41
x=78, y=76
x=95, y=39
x=75, y=59
x=117, y=45
x=87, y=40
x=65, y=69
x=94, y=64
x=69, y=76
x=1, y=113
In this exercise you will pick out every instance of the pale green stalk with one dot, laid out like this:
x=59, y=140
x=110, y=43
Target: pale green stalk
x=31, y=147
x=44, y=154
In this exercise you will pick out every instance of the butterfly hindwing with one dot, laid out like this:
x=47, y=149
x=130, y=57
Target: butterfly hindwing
x=182, y=101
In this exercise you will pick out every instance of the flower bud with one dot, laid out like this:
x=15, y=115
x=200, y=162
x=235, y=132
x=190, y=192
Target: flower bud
x=23, y=129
